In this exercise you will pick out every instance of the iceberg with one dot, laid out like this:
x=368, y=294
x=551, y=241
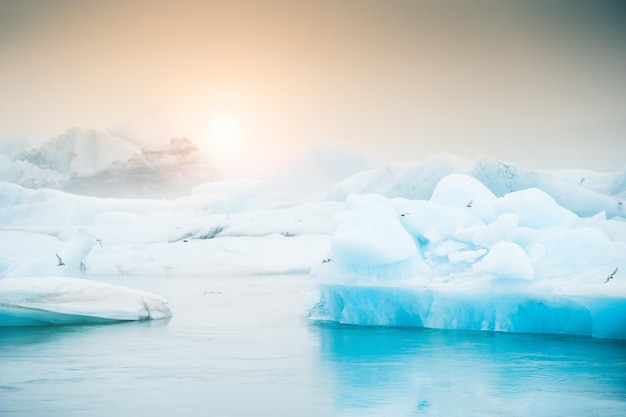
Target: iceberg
x=512, y=311
x=445, y=242
x=583, y=192
x=226, y=227
x=69, y=262
x=467, y=258
x=36, y=301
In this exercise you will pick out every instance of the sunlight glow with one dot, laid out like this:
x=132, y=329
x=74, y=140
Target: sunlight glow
x=224, y=133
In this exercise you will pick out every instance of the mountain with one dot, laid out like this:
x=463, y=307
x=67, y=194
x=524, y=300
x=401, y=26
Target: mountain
x=99, y=163
x=169, y=170
x=79, y=151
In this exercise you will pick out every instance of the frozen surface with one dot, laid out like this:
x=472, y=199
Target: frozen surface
x=69, y=259
x=37, y=301
x=585, y=193
x=225, y=227
x=467, y=258
x=501, y=243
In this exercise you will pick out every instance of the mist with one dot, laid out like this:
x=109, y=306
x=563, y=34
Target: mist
x=536, y=83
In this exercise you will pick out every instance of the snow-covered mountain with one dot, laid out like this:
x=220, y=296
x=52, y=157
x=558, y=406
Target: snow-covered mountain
x=99, y=163
x=80, y=151
x=169, y=170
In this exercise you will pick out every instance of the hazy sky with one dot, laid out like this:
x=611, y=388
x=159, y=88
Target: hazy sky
x=538, y=82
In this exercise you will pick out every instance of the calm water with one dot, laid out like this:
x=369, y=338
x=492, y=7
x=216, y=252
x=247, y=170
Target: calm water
x=241, y=346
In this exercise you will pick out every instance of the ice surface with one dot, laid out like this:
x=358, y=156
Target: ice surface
x=415, y=181
x=222, y=227
x=68, y=261
x=60, y=300
x=508, y=260
x=371, y=234
x=585, y=193
x=469, y=259
x=484, y=244
x=477, y=309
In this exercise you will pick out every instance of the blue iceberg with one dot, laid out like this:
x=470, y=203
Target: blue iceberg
x=469, y=259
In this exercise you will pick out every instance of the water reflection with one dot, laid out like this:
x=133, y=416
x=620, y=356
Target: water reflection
x=248, y=351
x=405, y=372
x=33, y=335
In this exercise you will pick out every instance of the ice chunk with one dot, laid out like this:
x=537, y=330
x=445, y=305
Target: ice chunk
x=462, y=191
x=507, y=259
x=416, y=181
x=582, y=192
x=466, y=255
x=477, y=310
x=69, y=260
x=519, y=263
x=59, y=300
x=503, y=228
x=597, y=192
x=371, y=234
x=536, y=209
x=432, y=220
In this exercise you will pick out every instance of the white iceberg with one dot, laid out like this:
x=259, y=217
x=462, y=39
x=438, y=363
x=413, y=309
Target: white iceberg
x=222, y=228
x=583, y=192
x=37, y=301
x=68, y=262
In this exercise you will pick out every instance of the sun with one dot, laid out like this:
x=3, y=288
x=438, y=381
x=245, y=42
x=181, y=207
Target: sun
x=224, y=132
x=227, y=141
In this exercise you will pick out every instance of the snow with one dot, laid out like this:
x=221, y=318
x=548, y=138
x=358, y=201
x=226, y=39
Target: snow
x=61, y=300
x=444, y=242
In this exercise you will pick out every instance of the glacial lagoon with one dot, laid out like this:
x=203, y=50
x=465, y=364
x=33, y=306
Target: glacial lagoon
x=242, y=345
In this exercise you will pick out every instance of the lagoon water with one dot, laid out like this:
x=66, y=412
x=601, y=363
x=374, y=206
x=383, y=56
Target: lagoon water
x=242, y=346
